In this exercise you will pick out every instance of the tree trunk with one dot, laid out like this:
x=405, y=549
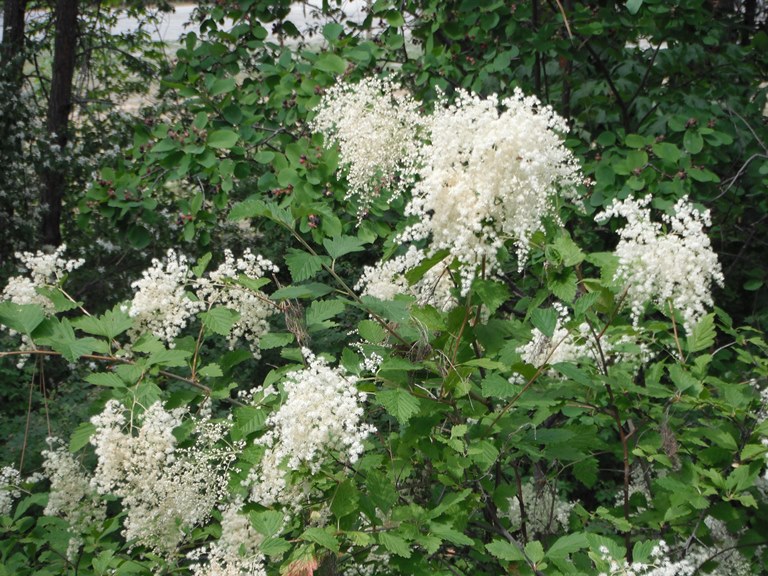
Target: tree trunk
x=59, y=107
x=11, y=55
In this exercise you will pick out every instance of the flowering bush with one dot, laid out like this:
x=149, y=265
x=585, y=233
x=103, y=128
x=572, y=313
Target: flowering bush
x=490, y=397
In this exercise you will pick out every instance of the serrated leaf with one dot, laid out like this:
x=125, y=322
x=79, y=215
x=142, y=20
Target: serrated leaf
x=535, y=551
x=395, y=544
x=585, y=471
x=446, y=532
x=169, y=358
x=249, y=208
x=505, y=551
x=108, y=379
x=371, y=331
x=22, y=318
x=702, y=335
x=564, y=286
x=545, y=319
x=308, y=290
x=338, y=247
x=63, y=340
x=321, y=310
x=483, y=453
x=219, y=319
x=60, y=302
x=110, y=325
x=268, y=523
x=303, y=265
x=81, y=436
x=566, y=545
x=492, y=294
x=249, y=419
x=399, y=404
x=272, y=340
x=322, y=537
x=211, y=371
x=570, y=253
x=345, y=500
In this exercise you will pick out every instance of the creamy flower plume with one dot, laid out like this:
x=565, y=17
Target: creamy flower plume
x=322, y=415
x=674, y=267
x=166, y=490
x=489, y=176
x=375, y=126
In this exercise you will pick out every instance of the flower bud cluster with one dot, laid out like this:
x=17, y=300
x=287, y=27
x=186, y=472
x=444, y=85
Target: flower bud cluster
x=375, y=126
x=673, y=267
x=321, y=416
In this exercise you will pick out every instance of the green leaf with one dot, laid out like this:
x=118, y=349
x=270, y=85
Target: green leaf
x=222, y=86
x=321, y=310
x=395, y=544
x=268, y=523
x=212, y=370
x=22, y=318
x=308, y=290
x=693, y=141
x=81, y=436
x=545, y=319
x=108, y=379
x=169, y=358
x=492, y=294
x=332, y=31
x=682, y=378
x=338, y=247
x=322, y=537
x=63, y=340
x=345, y=500
x=371, y=331
x=585, y=471
x=667, y=151
x=249, y=208
x=219, y=319
x=224, y=139
x=110, y=325
x=332, y=63
x=703, y=334
x=633, y=6
x=449, y=533
x=304, y=265
x=535, y=551
x=272, y=340
x=505, y=551
x=566, y=545
x=399, y=404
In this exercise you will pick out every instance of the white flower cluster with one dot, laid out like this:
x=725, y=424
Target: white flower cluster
x=674, y=267
x=375, y=126
x=160, y=303
x=71, y=496
x=235, y=552
x=253, y=306
x=563, y=346
x=322, y=414
x=387, y=279
x=9, y=488
x=489, y=176
x=480, y=176
x=44, y=271
x=166, y=490
x=165, y=301
x=660, y=564
x=545, y=511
